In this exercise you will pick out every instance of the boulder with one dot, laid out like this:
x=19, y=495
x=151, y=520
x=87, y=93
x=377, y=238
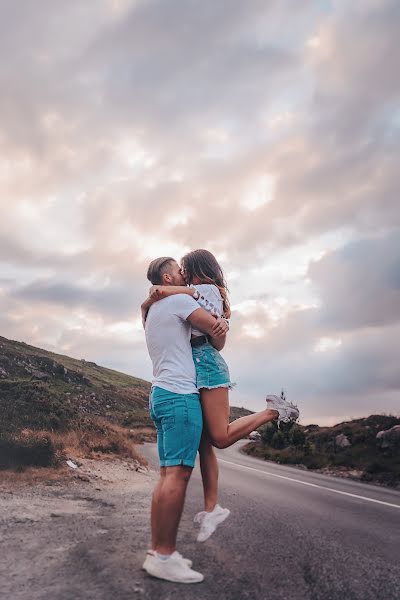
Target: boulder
x=342, y=441
x=40, y=375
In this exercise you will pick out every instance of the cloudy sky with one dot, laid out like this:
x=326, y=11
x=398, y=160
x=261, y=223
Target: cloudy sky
x=267, y=132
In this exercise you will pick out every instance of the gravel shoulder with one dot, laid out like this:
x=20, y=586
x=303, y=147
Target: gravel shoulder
x=77, y=533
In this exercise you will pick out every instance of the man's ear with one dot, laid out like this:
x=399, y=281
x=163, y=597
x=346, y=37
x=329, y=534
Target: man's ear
x=166, y=278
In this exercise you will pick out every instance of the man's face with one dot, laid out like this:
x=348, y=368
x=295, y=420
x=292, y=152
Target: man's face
x=175, y=275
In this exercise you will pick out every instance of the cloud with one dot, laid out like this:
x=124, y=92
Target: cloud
x=360, y=284
x=267, y=133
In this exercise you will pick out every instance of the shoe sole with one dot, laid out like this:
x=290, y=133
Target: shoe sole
x=174, y=579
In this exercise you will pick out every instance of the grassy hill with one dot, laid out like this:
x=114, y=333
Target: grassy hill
x=52, y=405
x=367, y=449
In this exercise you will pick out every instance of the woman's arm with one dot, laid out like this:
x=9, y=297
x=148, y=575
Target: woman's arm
x=157, y=292
x=145, y=309
x=162, y=291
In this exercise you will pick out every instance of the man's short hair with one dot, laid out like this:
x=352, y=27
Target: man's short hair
x=157, y=268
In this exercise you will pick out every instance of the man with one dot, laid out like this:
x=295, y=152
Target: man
x=176, y=411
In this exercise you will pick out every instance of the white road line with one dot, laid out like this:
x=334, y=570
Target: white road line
x=322, y=487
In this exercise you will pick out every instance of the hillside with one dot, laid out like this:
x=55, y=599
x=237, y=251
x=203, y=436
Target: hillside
x=52, y=404
x=366, y=449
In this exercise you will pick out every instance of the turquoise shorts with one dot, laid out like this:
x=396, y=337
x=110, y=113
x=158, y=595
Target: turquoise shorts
x=211, y=369
x=179, y=422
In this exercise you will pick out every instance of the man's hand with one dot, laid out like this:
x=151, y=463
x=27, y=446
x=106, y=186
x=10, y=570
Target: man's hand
x=205, y=322
x=220, y=327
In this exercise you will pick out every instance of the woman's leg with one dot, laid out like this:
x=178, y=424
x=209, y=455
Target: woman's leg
x=215, y=405
x=209, y=472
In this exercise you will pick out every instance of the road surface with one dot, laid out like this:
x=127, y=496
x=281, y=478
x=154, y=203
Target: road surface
x=292, y=535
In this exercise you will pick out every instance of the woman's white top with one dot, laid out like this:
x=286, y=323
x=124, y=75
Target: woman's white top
x=210, y=299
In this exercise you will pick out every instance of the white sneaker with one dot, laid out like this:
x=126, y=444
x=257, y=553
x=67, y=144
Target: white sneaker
x=186, y=560
x=209, y=521
x=173, y=568
x=288, y=412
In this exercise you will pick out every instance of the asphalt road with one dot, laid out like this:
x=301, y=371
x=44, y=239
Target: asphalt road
x=292, y=535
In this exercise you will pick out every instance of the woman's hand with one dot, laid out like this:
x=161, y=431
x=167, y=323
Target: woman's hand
x=220, y=327
x=156, y=292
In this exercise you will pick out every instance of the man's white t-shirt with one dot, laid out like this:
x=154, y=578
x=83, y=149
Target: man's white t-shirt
x=168, y=341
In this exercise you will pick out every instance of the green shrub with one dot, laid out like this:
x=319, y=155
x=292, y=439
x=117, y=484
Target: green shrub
x=32, y=404
x=278, y=440
x=267, y=433
x=32, y=450
x=297, y=437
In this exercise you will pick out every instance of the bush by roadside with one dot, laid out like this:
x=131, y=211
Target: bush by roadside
x=35, y=449
x=364, y=449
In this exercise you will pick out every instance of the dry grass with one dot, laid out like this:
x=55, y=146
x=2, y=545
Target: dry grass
x=102, y=438
x=31, y=476
x=107, y=438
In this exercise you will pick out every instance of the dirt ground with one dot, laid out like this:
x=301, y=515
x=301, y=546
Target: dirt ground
x=76, y=533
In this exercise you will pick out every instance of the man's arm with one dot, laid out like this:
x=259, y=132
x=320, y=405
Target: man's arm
x=202, y=320
x=162, y=291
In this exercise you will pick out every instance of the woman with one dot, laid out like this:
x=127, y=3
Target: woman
x=207, y=285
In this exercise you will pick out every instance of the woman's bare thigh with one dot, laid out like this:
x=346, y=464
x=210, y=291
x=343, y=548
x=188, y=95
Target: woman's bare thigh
x=215, y=405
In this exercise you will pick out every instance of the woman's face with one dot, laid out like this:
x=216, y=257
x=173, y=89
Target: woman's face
x=183, y=273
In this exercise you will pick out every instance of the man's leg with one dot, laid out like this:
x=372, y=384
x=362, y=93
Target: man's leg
x=178, y=418
x=155, y=501
x=167, y=507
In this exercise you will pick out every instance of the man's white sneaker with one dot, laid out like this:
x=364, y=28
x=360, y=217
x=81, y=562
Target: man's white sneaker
x=288, y=412
x=186, y=560
x=209, y=521
x=173, y=569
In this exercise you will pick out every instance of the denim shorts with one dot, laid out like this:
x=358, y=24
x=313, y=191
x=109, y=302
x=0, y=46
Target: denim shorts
x=179, y=422
x=211, y=369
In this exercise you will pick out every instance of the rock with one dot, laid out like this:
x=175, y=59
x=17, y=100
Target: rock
x=71, y=464
x=3, y=373
x=40, y=375
x=342, y=441
x=389, y=437
x=82, y=477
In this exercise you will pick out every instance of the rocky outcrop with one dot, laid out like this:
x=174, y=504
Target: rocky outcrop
x=389, y=438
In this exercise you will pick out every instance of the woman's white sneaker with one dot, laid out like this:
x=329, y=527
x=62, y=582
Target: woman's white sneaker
x=288, y=412
x=173, y=569
x=209, y=521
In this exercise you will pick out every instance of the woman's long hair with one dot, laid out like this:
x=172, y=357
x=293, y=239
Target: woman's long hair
x=204, y=265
